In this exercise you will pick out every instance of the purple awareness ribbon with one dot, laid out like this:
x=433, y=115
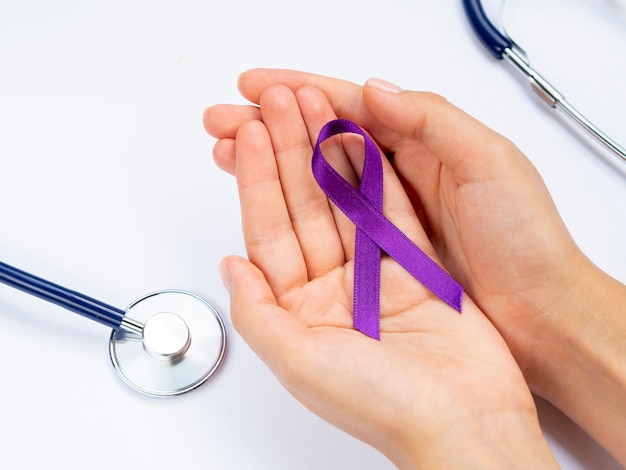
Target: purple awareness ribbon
x=375, y=233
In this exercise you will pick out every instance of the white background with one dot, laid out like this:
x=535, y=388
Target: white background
x=107, y=186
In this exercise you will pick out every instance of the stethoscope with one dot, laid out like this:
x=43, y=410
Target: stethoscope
x=503, y=47
x=167, y=343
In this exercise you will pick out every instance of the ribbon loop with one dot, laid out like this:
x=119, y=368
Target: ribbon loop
x=375, y=233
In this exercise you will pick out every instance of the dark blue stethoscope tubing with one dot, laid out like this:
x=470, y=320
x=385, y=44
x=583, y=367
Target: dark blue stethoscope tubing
x=492, y=39
x=61, y=296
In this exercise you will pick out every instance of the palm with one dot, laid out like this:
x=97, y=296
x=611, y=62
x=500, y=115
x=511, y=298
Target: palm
x=431, y=360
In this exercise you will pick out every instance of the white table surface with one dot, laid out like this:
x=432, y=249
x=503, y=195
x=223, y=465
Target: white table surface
x=107, y=186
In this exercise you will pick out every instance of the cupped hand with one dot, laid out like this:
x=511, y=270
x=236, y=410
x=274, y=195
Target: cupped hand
x=481, y=202
x=440, y=388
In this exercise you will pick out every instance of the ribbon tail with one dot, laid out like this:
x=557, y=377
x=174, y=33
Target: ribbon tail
x=367, y=286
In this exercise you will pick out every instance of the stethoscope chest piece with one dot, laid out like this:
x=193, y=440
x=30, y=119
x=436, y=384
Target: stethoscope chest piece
x=179, y=344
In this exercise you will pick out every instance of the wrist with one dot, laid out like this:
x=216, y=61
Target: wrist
x=510, y=439
x=480, y=434
x=582, y=329
x=577, y=359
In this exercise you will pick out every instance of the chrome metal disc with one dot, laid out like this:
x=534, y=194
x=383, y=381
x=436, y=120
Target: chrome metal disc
x=181, y=346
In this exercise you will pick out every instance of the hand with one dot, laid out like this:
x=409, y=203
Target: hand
x=483, y=205
x=439, y=388
x=493, y=224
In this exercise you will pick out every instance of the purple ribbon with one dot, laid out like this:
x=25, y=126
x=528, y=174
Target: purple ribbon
x=375, y=233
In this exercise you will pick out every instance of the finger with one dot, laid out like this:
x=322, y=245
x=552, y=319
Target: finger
x=344, y=97
x=224, y=155
x=270, y=240
x=316, y=112
x=254, y=82
x=223, y=120
x=308, y=206
x=461, y=143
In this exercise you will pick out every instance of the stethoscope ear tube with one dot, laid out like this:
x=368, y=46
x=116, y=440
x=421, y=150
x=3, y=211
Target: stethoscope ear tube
x=502, y=47
x=495, y=42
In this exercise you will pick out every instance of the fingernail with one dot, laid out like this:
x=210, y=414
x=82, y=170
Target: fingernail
x=227, y=278
x=383, y=85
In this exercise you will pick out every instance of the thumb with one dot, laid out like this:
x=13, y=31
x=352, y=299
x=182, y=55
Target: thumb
x=267, y=328
x=457, y=140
